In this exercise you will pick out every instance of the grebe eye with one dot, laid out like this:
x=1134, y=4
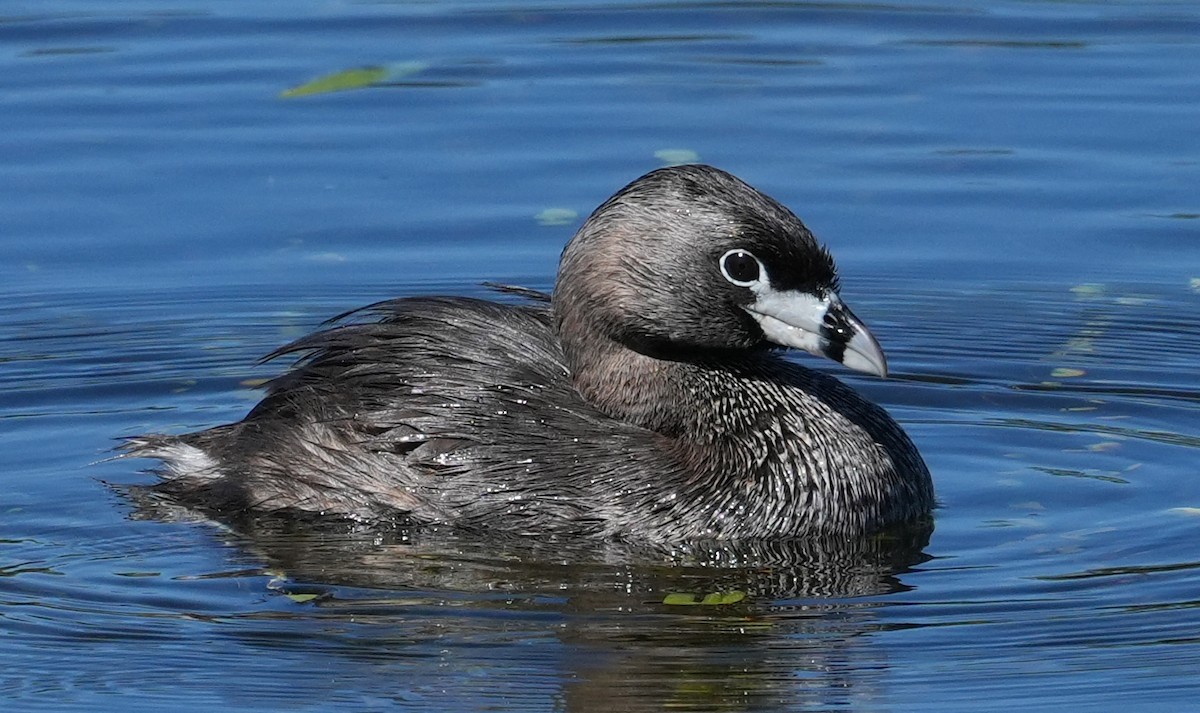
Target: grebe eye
x=741, y=268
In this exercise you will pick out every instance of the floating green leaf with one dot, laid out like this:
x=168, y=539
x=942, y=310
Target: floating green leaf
x=302, y=598
x=723, y=598
x=676, y=599
x=712, y=599
x=1065, y=373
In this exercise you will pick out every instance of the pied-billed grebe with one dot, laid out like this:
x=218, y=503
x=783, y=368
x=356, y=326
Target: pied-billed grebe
x=648, y=400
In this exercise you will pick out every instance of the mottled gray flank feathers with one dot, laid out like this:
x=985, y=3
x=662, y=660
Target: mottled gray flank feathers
x=642, y=404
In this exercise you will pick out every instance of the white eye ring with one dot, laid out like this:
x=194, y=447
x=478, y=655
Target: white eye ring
x=739, y=267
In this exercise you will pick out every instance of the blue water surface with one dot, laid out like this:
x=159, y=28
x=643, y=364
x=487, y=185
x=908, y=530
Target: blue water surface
x=1010, y=190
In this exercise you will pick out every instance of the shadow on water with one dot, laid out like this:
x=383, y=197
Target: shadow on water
x=706, y=627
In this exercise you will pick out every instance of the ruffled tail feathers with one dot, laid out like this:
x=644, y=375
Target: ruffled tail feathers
x=179, y=459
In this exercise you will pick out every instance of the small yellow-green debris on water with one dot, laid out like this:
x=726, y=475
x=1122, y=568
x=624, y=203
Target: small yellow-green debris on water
x=253, y=383
x=1063, y=372
x=356, y=78
x=1088, y=290
x=712, y=599
x=340, y=81
x=556, y=216
x=674, y=157
x=302, y=598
